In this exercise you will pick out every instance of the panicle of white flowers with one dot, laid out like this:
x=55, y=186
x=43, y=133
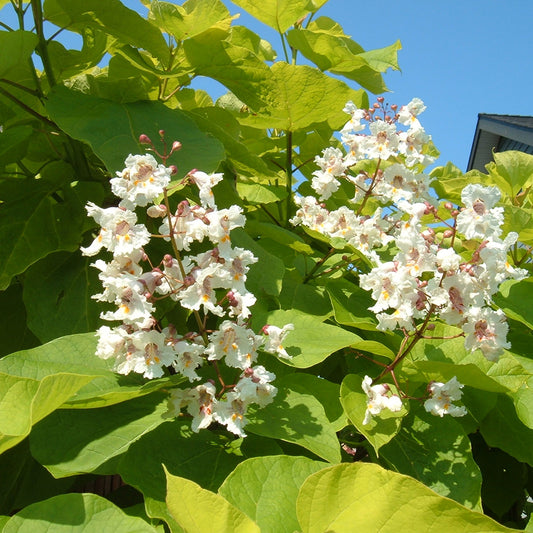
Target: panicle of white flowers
x=416, y=272
x=209, y=282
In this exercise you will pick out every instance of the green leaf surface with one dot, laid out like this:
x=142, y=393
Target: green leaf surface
x=523, y=401
x=14, y=143
x=221, y=124
x=381, y=428
x=261, y=280
x=33, y=224
x=382, y=59
x=206, y=457
x=437, y=452
x=340, y=55
x=326, y=392
x=76, y=354
x=515, y=299
x=17, y=47
x=502, y=428
x=76, y=441
x=255, y=193
x=280, y=14
x=350, y=304
x=365, y=497
x=75, y=513
x=512, y=171
x=297, y=417
x=243, y=36
x=280, y=235
x=112, y=129
x=112, y=17
x=184, y=500
x=303, y=96
x=266, y=488
x=448, y=347
x=25, y=401
x=312, y=340
x=191, y=18
x=236, y=67
x=57, y=294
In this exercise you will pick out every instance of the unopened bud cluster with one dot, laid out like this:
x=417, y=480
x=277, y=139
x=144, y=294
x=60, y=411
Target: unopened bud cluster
x=208, y=284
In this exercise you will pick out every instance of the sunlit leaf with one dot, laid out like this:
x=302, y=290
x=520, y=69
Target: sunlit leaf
x=75, y=513
x=185, y=498
x=265, y=488
x=365, y=497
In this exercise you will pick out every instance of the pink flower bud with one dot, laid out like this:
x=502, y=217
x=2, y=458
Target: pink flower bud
x=144, y=139
x=176, y=145
x=173, y=169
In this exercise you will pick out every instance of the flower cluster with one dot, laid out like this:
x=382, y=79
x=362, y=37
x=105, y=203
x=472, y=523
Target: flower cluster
x=417, y=275
x=211, y=282
x=425, y=275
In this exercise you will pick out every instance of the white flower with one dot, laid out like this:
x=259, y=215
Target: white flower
x=151, y=353
x=236, y=344
x=119, y=234
x=409, y=112
x=188, y=358
x=442, y=396
x=141, y=181
x=480, y=219
x=254, y=386
x=274, y=339
x=486, y=329
x=379, y=399
x=205, y=182
x=384, y=141
x=231, y=413
x=199, y=401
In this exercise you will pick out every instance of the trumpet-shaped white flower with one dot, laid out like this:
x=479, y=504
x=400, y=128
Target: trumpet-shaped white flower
x=274, y=339
x=480, y=219
x=119, y=232
x=205, y=183
x=442, y=396
x=141, y=181
x=379, y=399
x=486, y=329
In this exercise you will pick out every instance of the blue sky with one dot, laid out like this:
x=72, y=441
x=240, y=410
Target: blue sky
x=461, y=57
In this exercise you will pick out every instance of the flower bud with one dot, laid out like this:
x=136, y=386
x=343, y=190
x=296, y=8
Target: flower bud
x=447, y=234
x=176, y=145
x=144, y=139
x=380, y=99
x=161, y=133
x=173, y=169
x=168, y=260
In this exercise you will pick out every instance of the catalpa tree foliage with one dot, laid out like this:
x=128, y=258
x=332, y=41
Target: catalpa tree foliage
x=260, y=313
